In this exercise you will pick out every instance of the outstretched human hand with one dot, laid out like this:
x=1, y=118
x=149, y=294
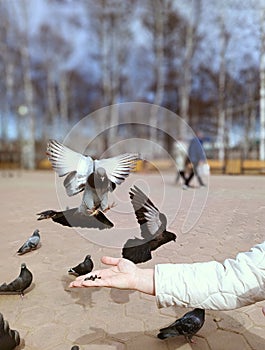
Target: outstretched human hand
x=123, y=274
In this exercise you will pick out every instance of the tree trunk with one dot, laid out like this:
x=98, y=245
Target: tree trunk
x=28, y=134
x=106, y=74
x=221, y=92
x=159, y=74
x=63, y=94
x=185, y=86
x=262, y=90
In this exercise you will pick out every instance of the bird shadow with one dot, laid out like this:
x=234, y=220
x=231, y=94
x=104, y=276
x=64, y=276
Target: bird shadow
x=81, y=296
x=120, y=296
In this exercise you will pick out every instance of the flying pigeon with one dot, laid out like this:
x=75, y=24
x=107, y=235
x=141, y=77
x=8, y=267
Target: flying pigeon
x=31, y=244
x=188, y=325
x=153, y=229
x=83, y=268
x=22, y=282
x=9, y=338
x=95, y=177
x=73, y=218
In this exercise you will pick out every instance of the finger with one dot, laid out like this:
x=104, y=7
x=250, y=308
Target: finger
x=88, y=283
x=76, y=284
x=107, y=260
x=82, y=277
x=95, y=283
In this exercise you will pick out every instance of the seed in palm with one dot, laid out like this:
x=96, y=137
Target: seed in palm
x=92, y=278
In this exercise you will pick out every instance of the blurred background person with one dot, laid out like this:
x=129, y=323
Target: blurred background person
x=180, y=153
x=197, y=157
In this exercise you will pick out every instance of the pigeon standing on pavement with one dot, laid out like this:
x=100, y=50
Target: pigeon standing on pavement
x=153, y=229
x=188, y=325
x=9, y=338
x=95, y=177
x=31, y=244
x=21, y=283
x=83, y=268
x=73, y=218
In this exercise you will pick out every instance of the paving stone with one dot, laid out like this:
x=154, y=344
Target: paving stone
x=234, y=321
x=123, y=329
x=106, y=343
x=143, y=341
x=227, y=340
x=86, y=333
x=181, y=343
x=256, y=316
x=46, y=336
x=255, y=338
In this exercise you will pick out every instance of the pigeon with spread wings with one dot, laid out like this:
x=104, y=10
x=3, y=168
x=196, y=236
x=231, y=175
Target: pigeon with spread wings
x=95, y=177
x=153, y=229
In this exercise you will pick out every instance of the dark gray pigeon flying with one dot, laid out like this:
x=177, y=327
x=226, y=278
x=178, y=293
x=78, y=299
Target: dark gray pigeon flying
x=73, y=218
x=9, y=338
x=153, y=229
x=31, y=244
x=188, y=325
x=22, y=282
x=83, y=268
x=95, y=177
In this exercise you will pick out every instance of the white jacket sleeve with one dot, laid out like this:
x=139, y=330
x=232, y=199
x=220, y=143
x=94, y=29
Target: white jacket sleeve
x=213, y=285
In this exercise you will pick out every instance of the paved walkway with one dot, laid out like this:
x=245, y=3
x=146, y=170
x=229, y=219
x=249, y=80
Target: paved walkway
x=52, y=317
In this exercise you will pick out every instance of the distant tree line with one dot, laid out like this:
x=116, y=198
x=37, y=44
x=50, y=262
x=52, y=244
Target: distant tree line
x=129, y=51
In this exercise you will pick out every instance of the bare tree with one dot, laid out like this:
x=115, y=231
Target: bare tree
x=28, y=135
x=158, y=10
x=262, y=89
x=186, y=81
x=224, y=37
x=8, y=58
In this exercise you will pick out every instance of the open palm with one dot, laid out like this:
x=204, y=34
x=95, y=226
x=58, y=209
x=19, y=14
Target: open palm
x=121, y=274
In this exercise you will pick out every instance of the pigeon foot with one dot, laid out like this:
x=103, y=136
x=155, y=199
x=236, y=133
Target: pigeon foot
x=109, y=207
x=92, y=212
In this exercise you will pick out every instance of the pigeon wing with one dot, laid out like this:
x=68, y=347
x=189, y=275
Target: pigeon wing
x=119, y=167
x=34, y=241
x=24, y=248
x=72, y=218
x=191, y=323
x=161, y=238
x=148, y=216
x=187, y=325
x=65, y=161
x=137, y=250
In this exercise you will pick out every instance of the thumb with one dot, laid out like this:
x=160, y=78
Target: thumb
x=107, y=260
